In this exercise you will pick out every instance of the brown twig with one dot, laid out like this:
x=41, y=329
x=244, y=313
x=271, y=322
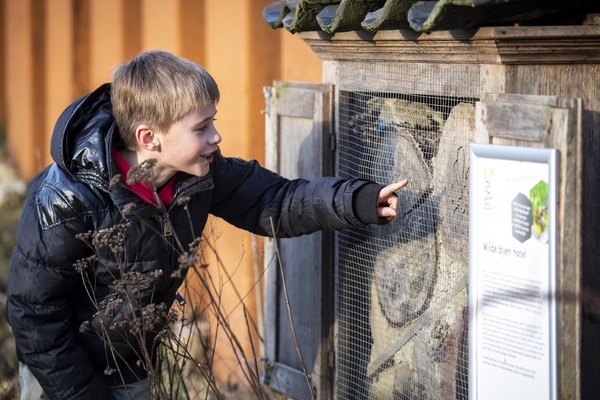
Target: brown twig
x=291, y=318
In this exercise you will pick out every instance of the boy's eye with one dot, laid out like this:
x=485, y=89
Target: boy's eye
x=205, y=127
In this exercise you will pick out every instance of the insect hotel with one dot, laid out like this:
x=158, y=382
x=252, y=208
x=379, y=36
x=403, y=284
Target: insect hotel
x=408, y=88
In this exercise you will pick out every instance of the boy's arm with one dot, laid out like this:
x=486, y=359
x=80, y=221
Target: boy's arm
x=41, y=277
x=250, y=197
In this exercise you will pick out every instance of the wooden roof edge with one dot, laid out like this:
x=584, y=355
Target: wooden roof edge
x=483, y=33
x=504, y=45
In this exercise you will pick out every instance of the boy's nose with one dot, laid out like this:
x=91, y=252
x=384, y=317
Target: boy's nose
x=216, y=139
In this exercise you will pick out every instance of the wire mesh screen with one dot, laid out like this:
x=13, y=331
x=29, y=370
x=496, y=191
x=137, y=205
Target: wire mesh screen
x=402, y=289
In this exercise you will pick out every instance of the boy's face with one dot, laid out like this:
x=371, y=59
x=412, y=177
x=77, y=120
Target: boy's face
x=189, y=143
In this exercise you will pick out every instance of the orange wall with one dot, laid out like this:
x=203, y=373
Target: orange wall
x=54, y=51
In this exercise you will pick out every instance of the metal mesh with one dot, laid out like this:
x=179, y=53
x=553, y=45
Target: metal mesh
x=401, y=290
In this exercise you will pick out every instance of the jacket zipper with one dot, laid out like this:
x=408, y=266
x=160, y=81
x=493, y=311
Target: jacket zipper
x=167, y=231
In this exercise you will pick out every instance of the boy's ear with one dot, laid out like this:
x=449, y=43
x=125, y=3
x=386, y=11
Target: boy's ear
x=146, y=138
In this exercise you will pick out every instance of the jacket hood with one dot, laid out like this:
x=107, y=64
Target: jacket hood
x=82, y=136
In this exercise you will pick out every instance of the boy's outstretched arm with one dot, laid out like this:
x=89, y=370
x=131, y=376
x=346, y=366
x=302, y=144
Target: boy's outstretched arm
x=387, y=201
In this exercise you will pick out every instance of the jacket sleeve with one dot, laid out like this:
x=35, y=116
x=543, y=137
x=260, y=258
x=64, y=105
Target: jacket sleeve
x=255, y=199
x=41, y=276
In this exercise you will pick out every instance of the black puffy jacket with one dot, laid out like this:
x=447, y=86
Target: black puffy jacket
x=48, y=301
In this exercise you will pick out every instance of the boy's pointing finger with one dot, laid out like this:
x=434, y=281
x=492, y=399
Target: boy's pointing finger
x=391, y=188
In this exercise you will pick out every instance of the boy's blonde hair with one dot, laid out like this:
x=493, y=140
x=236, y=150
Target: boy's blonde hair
x=158, y=88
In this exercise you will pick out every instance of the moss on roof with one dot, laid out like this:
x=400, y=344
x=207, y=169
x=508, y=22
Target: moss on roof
x=333, y=16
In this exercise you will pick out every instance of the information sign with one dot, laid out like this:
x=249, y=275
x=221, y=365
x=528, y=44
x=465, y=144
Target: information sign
x=512, y=273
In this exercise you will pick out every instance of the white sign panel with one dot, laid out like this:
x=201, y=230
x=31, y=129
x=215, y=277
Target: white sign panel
x=512, y=278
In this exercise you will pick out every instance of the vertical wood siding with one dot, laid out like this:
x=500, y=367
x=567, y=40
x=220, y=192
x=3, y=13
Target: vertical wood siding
x=54, y=51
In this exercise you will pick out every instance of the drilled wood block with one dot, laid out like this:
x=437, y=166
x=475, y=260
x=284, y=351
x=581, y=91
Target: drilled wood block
x=428, y=354
x=405, y=273
x=451, y=180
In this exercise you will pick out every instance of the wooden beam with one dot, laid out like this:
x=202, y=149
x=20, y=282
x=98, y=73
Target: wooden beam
x=19, y=86
x=59, y=88
x=106, y=37
x=503, y=45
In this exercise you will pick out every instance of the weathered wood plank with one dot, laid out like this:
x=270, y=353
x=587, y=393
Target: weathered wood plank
x=20, y=67
x=519, y=121
x=557, y=124
x=290, y=380
x=299, y=123
x=568, y=141
x=451, y=181
x=408, y=78
x=489, y=45
x=59, y=66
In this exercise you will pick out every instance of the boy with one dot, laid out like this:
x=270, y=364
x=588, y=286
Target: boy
x=68, y=304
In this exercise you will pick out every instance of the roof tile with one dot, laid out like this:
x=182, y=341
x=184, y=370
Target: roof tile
x=333, y=16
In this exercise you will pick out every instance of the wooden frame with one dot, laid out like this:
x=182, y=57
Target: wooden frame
x=299, y=277
x=508, y=64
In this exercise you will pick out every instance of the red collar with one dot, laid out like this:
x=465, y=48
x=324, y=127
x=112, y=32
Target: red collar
x=144, y=189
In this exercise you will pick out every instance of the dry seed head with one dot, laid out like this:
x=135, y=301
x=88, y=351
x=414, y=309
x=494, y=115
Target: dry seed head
x=129, y=209
x=85, y=236
x=85, y=325
x=112, y=306
x=115, y=181
x=118, y=325
x=152, y=314
x=133, y=280
x=112, y=237
x=142, y=172
x=82, y=264
x=172, y=317
x=183, y=201
x=156, y=273
x=177, y=273
x=188, y=259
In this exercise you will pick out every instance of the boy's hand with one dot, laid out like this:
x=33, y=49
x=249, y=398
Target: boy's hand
x=387, y=202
